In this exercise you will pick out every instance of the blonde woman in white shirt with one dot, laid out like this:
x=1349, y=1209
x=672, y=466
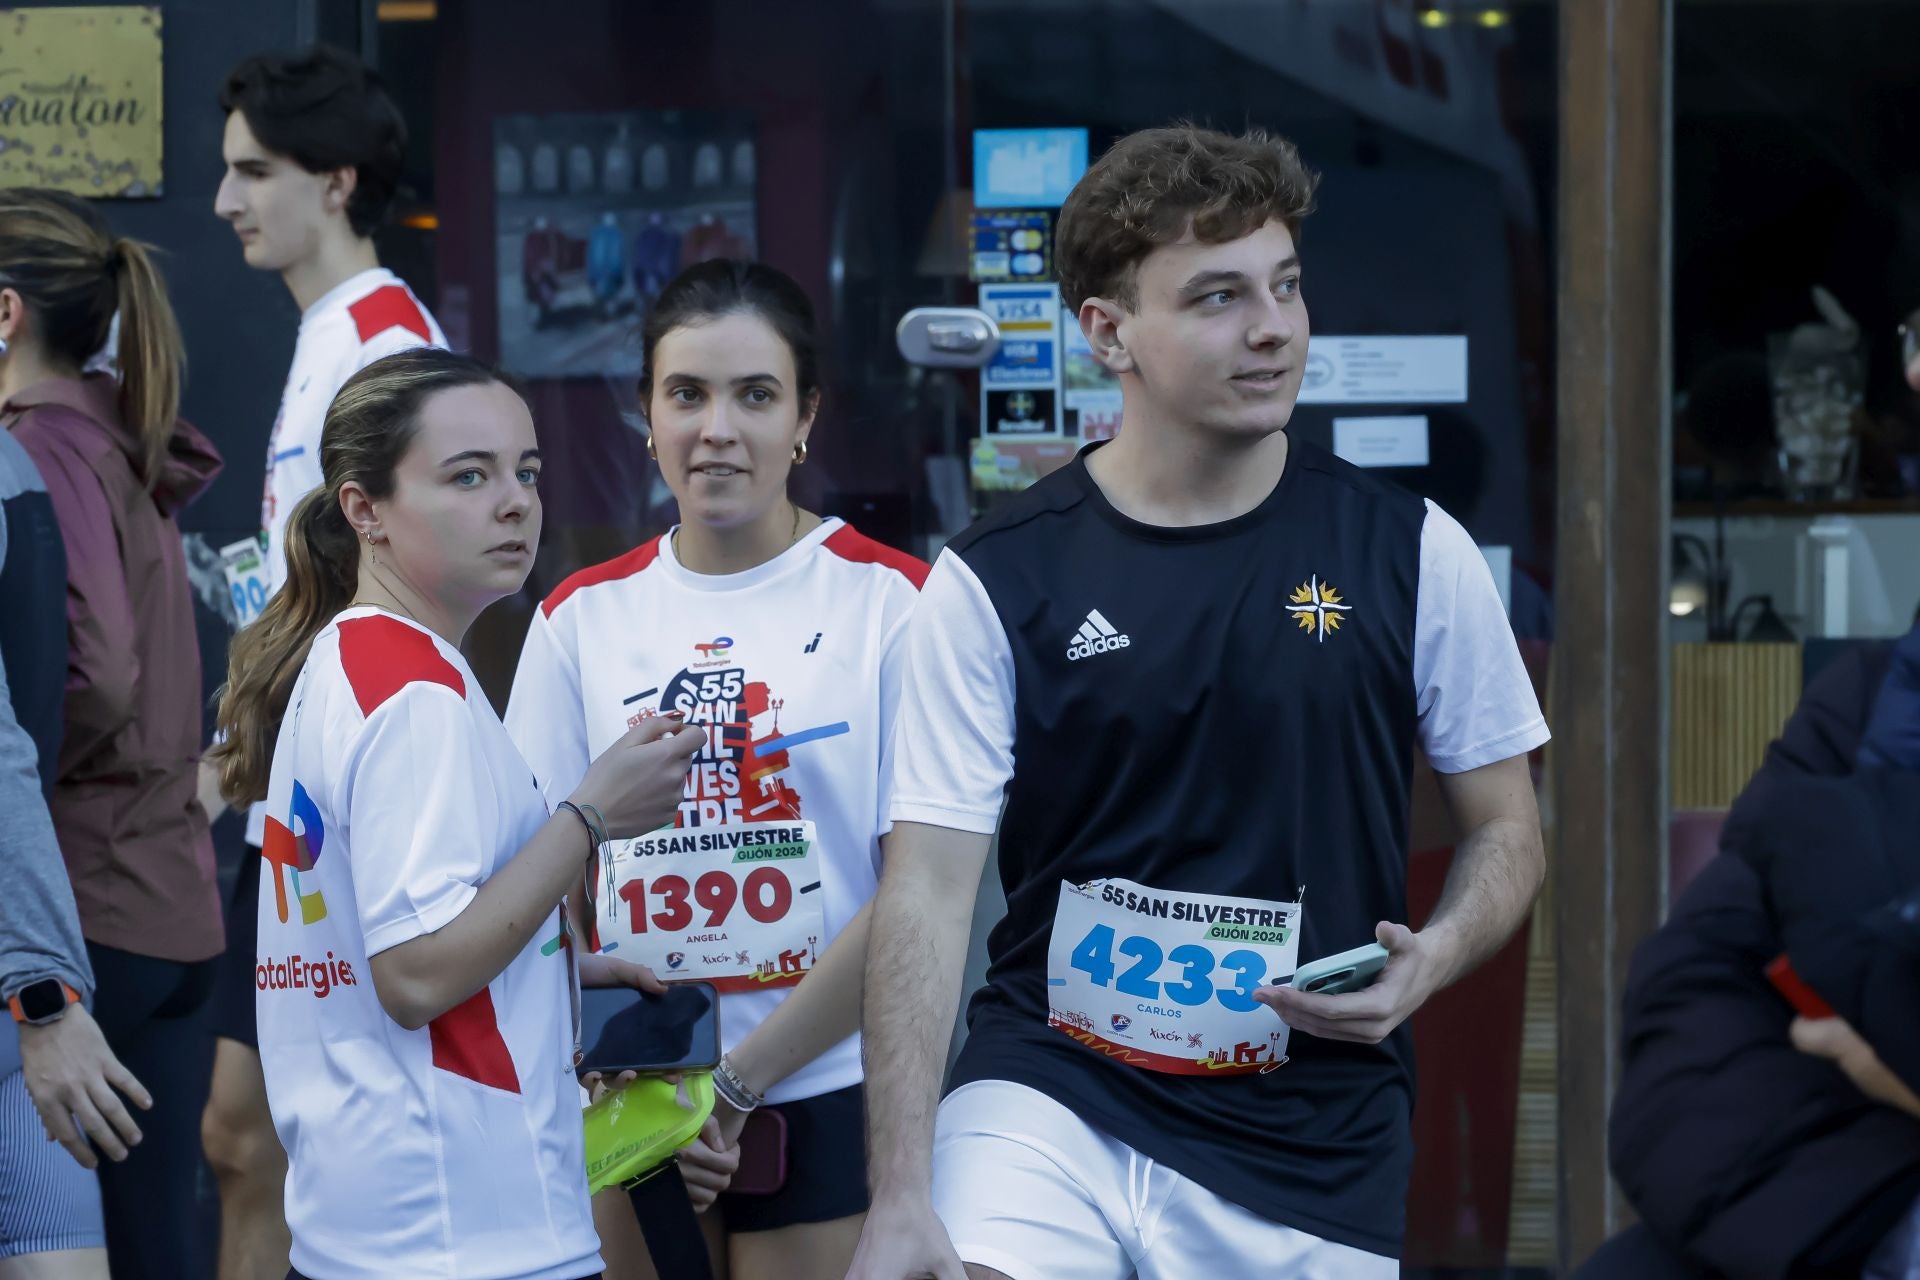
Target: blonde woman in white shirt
x=779, y=633
x=415, y=980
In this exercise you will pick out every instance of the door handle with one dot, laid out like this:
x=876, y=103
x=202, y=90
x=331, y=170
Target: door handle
x=947, y=337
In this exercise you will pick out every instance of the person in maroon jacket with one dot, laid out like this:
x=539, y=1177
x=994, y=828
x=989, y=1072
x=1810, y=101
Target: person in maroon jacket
x=118, y=464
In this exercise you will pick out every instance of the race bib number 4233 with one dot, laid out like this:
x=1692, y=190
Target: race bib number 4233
x=736, y=905
x=1164, y=981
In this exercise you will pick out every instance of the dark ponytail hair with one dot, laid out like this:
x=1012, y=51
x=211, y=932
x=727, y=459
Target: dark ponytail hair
x=369, y=427
x=66, y=263
x=720, y=287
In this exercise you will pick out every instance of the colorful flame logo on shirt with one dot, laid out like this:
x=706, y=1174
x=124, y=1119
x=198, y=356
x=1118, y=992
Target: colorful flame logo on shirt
x=289, y=854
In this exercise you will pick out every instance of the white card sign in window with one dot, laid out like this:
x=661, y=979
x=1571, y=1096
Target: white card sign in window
x=1386, y=441
x=1500, y=565
x=1423, y=370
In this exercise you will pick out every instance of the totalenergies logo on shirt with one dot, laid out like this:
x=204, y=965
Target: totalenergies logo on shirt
x=289, y=854
x=298, y=973
x=714, y=651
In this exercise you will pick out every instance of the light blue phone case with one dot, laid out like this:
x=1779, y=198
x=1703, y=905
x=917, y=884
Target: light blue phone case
x=1337, y=975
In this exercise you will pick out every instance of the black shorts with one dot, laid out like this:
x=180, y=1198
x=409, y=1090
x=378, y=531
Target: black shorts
x=826, y=1167
x=233, y=990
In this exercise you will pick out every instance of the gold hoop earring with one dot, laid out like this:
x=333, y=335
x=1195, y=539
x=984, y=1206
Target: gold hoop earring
x=800, y=453
x=651, y=452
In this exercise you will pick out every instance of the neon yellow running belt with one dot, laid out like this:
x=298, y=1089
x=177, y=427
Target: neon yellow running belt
x=632, y=1130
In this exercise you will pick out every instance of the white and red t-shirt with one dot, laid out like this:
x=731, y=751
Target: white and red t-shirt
x=370, y=315
x=455, y=1149
x=792, y=669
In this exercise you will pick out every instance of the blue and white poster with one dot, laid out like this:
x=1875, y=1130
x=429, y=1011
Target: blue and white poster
x=1026, y=168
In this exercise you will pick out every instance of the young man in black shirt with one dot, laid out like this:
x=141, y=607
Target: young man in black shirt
x=1193, y=664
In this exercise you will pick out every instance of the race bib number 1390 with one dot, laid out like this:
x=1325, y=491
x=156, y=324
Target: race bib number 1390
x=735, y=905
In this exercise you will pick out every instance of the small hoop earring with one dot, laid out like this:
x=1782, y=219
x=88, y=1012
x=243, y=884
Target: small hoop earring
x=650, y=449
x=3, y=346
x=800, y=453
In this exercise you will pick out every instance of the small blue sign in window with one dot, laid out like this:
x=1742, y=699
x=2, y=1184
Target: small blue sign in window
x=1026, y=168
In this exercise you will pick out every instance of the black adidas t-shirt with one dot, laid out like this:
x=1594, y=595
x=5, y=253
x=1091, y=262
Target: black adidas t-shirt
x=1227, y=709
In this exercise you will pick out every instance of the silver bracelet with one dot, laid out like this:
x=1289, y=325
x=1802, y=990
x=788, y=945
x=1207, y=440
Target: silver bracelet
x=728, y=1084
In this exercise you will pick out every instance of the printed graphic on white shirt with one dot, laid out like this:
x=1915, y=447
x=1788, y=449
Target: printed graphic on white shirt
x=791, y=669
x=1164, y=981
x=731, y=894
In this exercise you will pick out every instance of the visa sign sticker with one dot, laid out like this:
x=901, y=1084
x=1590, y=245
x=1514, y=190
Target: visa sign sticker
x=1027, y=307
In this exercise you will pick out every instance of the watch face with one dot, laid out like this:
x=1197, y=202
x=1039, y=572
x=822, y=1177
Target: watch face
x=42, y=1000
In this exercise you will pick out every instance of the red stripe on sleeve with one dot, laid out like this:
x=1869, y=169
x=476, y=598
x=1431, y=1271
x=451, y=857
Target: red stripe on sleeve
x=608, y=571
x=850, y=544
x=389, y=307
x=383, y=655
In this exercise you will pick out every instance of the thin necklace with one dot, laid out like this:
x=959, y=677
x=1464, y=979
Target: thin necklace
x=792, y=537
x=395, y=607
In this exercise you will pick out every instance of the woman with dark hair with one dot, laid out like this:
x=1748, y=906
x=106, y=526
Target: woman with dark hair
x=415, y=978
x=118, y=465
x=779, y=632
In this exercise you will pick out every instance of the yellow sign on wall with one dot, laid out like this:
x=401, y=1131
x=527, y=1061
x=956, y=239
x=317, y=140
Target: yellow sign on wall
x=80, y=106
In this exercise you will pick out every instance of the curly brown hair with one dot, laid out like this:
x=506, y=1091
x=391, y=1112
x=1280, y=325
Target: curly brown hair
x=1151, y=186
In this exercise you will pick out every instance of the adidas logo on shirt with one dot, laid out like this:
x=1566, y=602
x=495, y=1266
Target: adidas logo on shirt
x=1096, y=635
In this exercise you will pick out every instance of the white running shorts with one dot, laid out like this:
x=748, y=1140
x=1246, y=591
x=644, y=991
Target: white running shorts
x=1027, y=1188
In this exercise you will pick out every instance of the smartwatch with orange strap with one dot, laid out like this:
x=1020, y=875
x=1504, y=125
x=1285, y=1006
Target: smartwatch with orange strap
x=39, y=1003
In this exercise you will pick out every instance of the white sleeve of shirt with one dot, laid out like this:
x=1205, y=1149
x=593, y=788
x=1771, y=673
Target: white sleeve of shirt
x=893, y=663
x=546, y=713
x=953, y=739
x=420, y=815
x=1474, y=698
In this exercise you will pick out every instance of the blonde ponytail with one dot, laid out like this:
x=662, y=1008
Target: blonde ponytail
x=74, y=274
x=151, y=354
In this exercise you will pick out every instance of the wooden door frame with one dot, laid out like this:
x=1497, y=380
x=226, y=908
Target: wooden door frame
x=1609, y=682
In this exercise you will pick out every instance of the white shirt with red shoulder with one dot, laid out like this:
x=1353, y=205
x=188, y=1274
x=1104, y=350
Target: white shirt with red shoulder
x=451, y=1150
x=370, y=315
x=793, y=670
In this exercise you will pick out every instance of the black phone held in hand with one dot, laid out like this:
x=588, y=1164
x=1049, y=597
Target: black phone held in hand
x=622, y=1029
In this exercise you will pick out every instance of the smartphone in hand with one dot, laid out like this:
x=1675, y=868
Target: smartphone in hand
x=1338, y=975
x=626, y=1030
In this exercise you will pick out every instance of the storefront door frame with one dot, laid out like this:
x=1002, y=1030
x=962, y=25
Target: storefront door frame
x=1608, y=687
